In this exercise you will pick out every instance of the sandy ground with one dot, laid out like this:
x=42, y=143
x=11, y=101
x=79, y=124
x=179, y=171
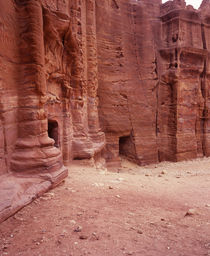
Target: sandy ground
x=135, y=211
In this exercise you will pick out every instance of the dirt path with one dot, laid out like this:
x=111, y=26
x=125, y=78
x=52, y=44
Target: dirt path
x=138, y=211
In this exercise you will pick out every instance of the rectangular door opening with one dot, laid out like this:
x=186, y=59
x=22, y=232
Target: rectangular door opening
x=53, y=131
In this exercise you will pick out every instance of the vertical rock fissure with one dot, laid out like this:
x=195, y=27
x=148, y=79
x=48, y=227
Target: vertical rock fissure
x=203, y=36
x=132, y=130
x=5, y=142
x=157, y=130
x=203, y=91
x=157, y=108
x=156, y=114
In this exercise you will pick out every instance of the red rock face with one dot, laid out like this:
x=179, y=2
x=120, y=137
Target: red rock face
x=95, y=80
x=48, y=77
x=183, y=90
x=128, y=78
x=153, y=80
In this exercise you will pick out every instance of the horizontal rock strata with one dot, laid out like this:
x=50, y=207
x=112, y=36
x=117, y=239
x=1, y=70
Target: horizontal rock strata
x=96, y=80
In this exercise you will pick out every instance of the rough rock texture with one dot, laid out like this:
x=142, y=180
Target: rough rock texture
x=48, y=85
x=153, y=79
x=96, y=79
x=128, y=78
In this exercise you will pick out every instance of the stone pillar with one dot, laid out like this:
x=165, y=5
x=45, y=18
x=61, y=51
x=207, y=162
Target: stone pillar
x=92, y=66
x=97, y=137
x=34, y=150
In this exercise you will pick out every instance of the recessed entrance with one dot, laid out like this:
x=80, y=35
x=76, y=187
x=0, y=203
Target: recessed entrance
x=53, y=131
x=127, y=147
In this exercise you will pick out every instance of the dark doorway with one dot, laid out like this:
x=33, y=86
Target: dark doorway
x=127, y=147
x=53, y=131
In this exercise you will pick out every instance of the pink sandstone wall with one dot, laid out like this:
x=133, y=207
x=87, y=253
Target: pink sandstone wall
x=97, y=80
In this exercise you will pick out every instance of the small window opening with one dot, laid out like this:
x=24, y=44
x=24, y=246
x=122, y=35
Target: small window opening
x=53, y=131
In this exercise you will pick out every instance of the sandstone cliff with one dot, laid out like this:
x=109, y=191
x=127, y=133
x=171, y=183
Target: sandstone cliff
x=96, y=79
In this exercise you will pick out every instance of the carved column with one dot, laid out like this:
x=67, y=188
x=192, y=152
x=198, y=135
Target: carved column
x=34, y=150
x=92, y=66
x=97, y=136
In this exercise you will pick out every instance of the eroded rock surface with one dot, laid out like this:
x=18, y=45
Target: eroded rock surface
x=95, y=80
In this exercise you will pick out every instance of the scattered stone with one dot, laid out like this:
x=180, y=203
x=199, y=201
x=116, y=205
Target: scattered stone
x=5, y=246
x=83, y=237
x=131, y=213
x=163, y=172
x=152, y=223
x=79, y=213
x=160, y=175
x=47, y=196
x=118, y=196
x=51, y=194
x=72, y=221
x=139, y=232
x=207, y=246
x=178, y=177
x=115, y=181
x=120, y=179
x=18, y=218
x=129, y=253
x=63, y=233
x=147, y=175
x=95, y=236
x=207, y=205
x=98, y=184
x=78, y=229
x=191, y=212
x=110, y=187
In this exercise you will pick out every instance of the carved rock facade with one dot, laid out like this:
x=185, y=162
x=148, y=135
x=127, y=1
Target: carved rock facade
x=96, y=79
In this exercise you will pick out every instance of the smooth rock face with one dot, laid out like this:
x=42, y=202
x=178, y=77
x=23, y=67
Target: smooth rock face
x=95, y=80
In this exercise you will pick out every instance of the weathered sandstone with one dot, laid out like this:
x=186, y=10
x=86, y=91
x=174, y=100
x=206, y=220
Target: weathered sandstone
x=96, y=79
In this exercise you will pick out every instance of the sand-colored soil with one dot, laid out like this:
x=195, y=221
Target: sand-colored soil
x=136, y=211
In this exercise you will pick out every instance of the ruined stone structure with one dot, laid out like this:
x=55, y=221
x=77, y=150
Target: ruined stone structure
x=96, y=79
